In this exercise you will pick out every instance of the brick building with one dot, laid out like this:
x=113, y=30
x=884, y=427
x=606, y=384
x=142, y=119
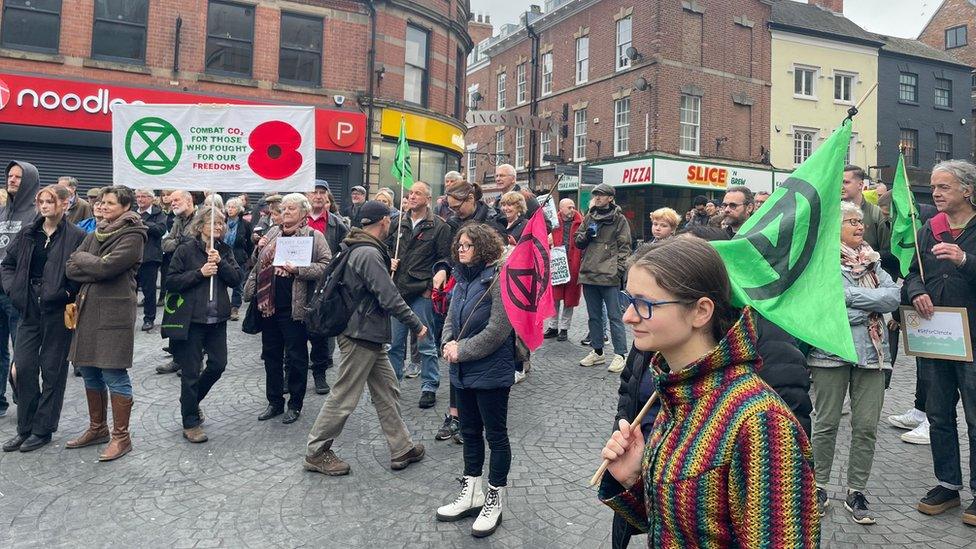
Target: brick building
x=671, y=99
x=62, y=64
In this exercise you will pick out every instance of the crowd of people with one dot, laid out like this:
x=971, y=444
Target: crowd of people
x=419, y=281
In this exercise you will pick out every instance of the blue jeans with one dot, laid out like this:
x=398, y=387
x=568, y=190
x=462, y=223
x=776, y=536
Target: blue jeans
x=117, y=381
x=948, y=380
x=430, y=375
x=237, y=296
x=598, y=297
x=9, y=318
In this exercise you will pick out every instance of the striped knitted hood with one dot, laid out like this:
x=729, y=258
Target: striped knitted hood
x=734, y=356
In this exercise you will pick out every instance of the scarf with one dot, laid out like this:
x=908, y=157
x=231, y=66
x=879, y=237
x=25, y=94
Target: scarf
x=231, y=234
x=105, y=229
x=861, y=263
x=266, y=274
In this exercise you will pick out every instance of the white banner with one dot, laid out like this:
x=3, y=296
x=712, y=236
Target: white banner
x=224, y=148
x=559, y=264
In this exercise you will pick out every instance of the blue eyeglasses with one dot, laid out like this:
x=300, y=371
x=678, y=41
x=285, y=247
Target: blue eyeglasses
x=644, y=307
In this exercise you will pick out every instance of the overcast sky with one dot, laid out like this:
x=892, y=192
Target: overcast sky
x=904, y=18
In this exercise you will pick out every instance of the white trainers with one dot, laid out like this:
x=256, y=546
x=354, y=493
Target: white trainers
x=519, y=376
x=617, y=364
x=468, y=502
x=909, y=420
x=593, y=359
x=918, y=435
x=491, y=514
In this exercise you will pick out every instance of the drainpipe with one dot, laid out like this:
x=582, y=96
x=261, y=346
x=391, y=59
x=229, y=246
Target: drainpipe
x=533, y=99
x=176, y=46
x=371, y=74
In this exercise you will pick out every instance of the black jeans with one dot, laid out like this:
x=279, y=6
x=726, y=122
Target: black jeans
x=284, y=349
x=949, y=382
x=484, y=414
x=922, y=376
x=194, y=384
x=148, y=273
x=321, y=356
x=41, y=352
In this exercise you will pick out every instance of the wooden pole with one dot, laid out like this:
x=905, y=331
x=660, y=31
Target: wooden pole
x=212, y=215
x=636, y=423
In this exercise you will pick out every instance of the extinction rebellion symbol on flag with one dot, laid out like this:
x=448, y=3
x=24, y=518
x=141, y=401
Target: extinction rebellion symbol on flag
x=528, y=279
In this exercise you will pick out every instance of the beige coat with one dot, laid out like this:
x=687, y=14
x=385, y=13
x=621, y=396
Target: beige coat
x=307, y=277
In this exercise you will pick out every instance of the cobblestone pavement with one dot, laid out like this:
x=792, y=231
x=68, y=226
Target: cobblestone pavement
x=246, y=487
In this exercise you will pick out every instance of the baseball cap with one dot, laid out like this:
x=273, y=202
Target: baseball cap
x=322, y=183
x=373, y=211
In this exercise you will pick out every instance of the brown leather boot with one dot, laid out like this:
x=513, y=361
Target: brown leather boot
x=97, y=432
x=120, y=444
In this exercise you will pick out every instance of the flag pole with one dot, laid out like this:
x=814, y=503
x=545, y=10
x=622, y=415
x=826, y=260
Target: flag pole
x=913, y=214
x=212, y=214
x=396, y=253
x=637, y=421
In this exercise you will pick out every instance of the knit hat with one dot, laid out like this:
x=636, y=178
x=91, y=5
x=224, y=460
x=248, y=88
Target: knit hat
x=372, y=212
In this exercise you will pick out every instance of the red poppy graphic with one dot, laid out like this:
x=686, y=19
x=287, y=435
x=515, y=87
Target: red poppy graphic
x=275, y=145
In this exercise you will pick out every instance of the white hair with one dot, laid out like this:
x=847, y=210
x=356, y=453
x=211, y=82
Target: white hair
x=850, y=209
x=297, y=198
x=453, y=176
x=236, y=202
x=215, y=200
x=964, y=172
x=507, y=169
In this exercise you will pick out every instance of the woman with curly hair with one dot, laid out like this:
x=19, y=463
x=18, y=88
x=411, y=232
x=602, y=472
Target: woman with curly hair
x=480, y=346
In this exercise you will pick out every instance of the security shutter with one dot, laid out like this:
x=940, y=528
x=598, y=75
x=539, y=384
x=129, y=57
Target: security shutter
x=338, y=177
x=91, y=166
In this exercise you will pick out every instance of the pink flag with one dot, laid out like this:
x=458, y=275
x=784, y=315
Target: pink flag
x=525, y=279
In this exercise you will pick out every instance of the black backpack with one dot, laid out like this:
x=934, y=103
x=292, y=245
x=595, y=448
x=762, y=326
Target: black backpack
x=331, y=306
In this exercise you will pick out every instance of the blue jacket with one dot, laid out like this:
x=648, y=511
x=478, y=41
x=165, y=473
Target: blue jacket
x=486, y=341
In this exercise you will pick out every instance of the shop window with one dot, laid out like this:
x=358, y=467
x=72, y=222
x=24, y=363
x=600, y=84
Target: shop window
x=804, y=82
x=500, y=157
x=415, y=68
x=519, y=148
x=230, y=39
x=844, y=87
x=908, y=87
x=943, y=147
x=621, y=126
x=803, y=140
x=300, y=56
x=33, y=25
x=502, y=91
x=624, y=41
x=943, y=93
x=582, y=59
x=579, y=136
x=546, y=73
x=690, y=120
x=908, y=143
x=955, y=37
x=119, y=32
x=520, y=84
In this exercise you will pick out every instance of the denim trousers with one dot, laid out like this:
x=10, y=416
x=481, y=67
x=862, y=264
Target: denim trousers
x=598, y=297
x=98, y=379
x=483, y=414
x=948, y=382
x=430, y=376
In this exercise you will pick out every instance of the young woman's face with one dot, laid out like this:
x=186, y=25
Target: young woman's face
x=465, y=250
x=669, y=327
x=49, y=206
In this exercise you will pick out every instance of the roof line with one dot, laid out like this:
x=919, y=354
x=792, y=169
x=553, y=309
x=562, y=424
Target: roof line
x=931, y=17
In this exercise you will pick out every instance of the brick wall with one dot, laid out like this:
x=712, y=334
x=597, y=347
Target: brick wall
x=953, y=13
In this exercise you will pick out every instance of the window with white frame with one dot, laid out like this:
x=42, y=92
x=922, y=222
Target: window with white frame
x=545, y=145
x=472, y=162
x=500, y=147
x=579, y=136
x=844, y=87
x=520, y=84
x=690, y=122
x=582, y=59
x=500, y=90
x=547, y=73
x=803, y=140
x=804, y=81
x=472, y=96
x=624, y=40
x=519, y=148
x=621, y=126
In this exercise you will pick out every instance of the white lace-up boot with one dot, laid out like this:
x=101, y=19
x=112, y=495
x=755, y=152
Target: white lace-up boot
x=469, y=502
x=491, y=514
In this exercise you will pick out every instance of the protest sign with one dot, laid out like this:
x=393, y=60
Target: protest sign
x=549, y=209
x=294, y=249
x=945, y=336
x=224, y=148
x=560, y=265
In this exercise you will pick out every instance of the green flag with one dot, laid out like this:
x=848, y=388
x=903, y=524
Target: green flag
x=903, y=218
x=401, y=161
x=785, y=262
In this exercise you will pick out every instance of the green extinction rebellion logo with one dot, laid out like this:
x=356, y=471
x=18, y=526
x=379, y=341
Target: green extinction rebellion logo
x=153, y=145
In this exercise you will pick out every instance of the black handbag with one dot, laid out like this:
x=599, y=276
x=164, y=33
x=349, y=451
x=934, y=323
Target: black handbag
x=176, y=317
x=252, y=319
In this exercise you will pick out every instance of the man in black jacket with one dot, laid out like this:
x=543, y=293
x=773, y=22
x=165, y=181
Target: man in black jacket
x=948, y=246
x=152, y=256
x=423, y=240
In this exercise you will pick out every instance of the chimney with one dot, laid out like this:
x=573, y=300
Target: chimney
x=834, y=6
x=535, y=8
x=480, y=28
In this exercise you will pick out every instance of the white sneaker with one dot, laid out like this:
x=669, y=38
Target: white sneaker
x=617, y=364
x=491, y=514
x=593, y=359
x=918, y=435
x=519, y=377
x=468, y=502
x=413, y=370
x=909, y=420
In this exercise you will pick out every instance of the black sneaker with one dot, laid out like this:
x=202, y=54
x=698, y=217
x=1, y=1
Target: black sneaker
x=321, y=385
x=857, y=505
x=562, y=336
x=168, y=368
x=427, y=399
x=451, y=426
x=938, y=500
x=822, y=501
x=969, y=515
x=550, y=333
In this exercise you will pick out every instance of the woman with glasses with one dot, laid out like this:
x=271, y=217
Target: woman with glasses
x=704, y=478
x=870, y=292
x=480, y=346
x=464, y=199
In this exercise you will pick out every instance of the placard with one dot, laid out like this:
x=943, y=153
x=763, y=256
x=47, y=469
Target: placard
x=946, y=336
x=549, y=209
x=296, y=249
x=229, y=148
x=559, y=262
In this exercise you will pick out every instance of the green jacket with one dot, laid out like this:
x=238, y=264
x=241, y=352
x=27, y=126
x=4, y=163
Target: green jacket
x=604, y=261
x=873, y=219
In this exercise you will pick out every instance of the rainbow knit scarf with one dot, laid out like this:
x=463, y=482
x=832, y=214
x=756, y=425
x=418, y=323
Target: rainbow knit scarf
x=726, y=464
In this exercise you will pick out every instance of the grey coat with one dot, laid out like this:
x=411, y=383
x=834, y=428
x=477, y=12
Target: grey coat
x=304, y=283
x=860, y=303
